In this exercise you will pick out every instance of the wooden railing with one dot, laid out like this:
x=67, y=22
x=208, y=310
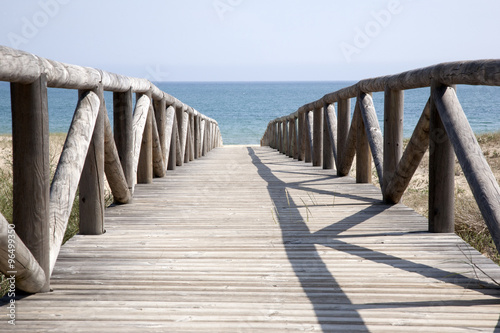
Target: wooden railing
x=156, y=135
x=315, y=133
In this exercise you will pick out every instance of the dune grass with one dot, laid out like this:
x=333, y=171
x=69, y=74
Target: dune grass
x=469, y=223
x=6, y=187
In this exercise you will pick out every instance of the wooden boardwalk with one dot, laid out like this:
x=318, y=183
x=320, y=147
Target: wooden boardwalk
x=247, y=239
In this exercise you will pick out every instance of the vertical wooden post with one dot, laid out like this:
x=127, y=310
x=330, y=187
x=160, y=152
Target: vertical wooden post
x=302, y=136
x=393, y=133
x=318, y=137
x=196, y=136
x=296, y=138
x=92, y=179
x=172, y=158
x=309, y=140
x=145, y=167
x=179, y=113
x=327, y=144
x=276, y=135
x=123, y=110
x=192, y=134
x=290, y=137
x=160, y=107
x=280, y=136
x=343, y=124
x=187, y=152
x=31, y=169
x=210, y=136
x=285, y=136
x=203, y=135
x=363, y=155
x=441, y=173
x=205, y=138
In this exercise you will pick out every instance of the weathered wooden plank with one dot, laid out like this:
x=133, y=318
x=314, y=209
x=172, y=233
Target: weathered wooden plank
x=393, y=134
x=141, y=112
x=441, y=174
x=373, y=132
x=161, y=118
x=415, y=150
x=476, y=169
x=158, y=166
x=19, y=263
x=330, y=138
x=145, y=163
x=31, y=173
x=113, y=168
x=123, y=134
x=317, y=145
x=302, y=137
x=310, y=136
x=91, y=188
x=69, y=169
x=343, y=125
x=248, y=239
x=349, y=149
x=363, y=155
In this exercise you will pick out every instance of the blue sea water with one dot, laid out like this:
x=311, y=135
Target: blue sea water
x=243, y=109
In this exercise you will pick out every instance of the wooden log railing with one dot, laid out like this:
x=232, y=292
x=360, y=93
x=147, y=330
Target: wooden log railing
x=443, y=128
x=159, y=133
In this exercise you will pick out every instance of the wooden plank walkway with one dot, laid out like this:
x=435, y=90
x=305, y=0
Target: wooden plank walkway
x=247, y=239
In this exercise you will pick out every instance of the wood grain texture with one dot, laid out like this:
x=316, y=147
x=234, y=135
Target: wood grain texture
x=441, y=173
x=123, y=115
x=203, y=142
x=317, y=156
x=161, y=117
x=343, y=126
x=145, y=165
x=373, y=133
x=330, y=138
x=310, y=137
x=67, y=175
x=31, y=170
x=141, y=112
x=363, y=155
x=91, y=188
x=183, y=121
x=349, y=150
x=219, y=245
x=172, y=161
x=197, y=137
x=28, y=274
x=158, y=166
x=18, y=66
x=415, y=150
x=393, y=134
x=470, y=156
x=113, y=168
x=302, y=137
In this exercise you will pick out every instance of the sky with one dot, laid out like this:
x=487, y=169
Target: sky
x=253, y=40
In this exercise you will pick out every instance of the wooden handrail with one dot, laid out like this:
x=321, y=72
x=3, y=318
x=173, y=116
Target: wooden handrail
x=147, y=142
x=441, y=122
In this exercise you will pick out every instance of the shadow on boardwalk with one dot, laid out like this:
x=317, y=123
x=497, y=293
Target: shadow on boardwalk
x=332, y=306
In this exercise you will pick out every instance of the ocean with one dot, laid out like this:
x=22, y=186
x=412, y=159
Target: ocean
x=243, y=109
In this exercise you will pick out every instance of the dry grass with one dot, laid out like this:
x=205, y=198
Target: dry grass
x=55, y=149
x=469, y=223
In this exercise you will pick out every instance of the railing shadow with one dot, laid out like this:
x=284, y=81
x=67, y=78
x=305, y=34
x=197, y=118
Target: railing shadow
x=295, y=231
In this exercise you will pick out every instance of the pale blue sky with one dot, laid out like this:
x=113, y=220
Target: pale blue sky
x=249, y=40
